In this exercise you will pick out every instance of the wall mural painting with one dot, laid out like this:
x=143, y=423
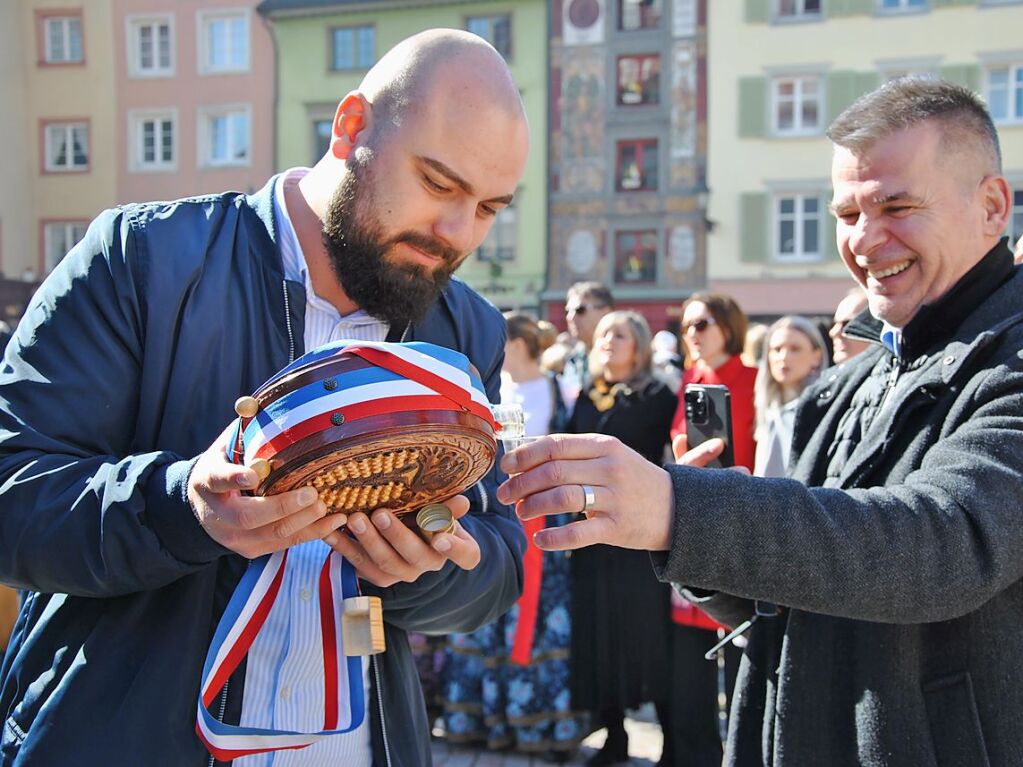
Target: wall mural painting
x=683, y=113
x=582, y=121
x=683, y=18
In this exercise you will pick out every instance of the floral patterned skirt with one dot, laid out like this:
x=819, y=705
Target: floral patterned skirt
x=490, y=700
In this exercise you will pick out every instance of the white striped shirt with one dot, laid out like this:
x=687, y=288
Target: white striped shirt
x=284, y=673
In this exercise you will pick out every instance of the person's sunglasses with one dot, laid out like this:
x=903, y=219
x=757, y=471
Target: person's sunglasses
x=579, y=311
x=699, y=325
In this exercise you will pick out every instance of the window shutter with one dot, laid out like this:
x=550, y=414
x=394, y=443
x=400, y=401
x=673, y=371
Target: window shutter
x=756, y=11
x=845, y=87
x=752, y=107
x=967, y=75
x=837, y=8
x=756, y=234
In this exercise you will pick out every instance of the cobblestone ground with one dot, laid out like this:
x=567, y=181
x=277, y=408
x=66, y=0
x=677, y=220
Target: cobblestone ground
x=644, y=748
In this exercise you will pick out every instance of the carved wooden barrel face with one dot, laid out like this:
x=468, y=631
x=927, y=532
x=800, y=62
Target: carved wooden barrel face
x=397, y=461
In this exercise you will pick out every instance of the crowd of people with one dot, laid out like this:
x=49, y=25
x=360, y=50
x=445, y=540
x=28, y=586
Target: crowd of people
x=568, y=659
x=864, y=550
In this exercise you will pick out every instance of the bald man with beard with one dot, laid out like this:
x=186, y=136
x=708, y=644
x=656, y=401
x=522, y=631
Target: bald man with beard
x=124, y=522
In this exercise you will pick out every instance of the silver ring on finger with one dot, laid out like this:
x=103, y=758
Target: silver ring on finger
x=589, y=498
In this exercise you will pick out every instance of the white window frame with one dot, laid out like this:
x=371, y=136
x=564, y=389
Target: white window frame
x=800, y=14
x=904, y=7
x=70, y=237
x=49, y=55
x=206, y=114
x=799, y=255
x=133, y=27
x=68, y=129
x=354, y=29
x=1011, y=68
x=136, y=151
x=204, y=19
x=799, y=81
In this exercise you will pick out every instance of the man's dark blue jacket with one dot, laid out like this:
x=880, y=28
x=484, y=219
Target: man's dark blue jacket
x=123, y=370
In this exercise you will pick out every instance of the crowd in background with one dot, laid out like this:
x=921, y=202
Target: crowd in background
x=595, y=633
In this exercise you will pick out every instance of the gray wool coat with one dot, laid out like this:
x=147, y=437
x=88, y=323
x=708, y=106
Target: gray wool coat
x=902, y=640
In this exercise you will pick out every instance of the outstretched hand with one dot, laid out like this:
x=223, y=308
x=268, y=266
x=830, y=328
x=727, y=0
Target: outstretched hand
x=632, y=498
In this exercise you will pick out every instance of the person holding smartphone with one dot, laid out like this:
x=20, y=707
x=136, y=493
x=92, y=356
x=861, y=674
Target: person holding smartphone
x=714, y=331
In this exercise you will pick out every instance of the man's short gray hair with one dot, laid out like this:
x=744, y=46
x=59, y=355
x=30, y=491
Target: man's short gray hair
x=907, y=101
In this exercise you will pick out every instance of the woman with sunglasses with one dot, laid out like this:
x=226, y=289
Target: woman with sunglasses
x=714, y=331
x=619, y=609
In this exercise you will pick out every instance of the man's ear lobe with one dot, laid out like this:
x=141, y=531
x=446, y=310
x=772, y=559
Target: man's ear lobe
x=350, y=120
x=997, y=204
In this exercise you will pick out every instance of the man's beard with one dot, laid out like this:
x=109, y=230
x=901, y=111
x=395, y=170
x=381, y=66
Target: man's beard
x=357, y=249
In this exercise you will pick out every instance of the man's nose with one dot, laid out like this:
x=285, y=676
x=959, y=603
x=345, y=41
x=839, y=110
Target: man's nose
x=866, y=235
x=456, y=227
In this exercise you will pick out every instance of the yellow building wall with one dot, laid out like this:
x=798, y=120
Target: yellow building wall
x=69, y=92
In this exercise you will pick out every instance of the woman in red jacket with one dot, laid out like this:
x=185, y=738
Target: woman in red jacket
x=714, y=330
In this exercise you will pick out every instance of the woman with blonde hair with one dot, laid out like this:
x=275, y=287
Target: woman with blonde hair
x=794, y=355
x=619, y=609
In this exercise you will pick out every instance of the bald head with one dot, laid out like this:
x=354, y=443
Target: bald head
x=436, y=67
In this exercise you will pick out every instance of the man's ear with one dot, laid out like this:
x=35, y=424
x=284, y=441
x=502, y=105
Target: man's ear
x=353, y=117
x=997, y=204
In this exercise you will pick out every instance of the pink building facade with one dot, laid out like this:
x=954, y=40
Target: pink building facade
x=194, y=88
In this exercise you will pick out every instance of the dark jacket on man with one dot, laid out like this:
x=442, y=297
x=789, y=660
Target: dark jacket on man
x=124, y=368
x=896, y=550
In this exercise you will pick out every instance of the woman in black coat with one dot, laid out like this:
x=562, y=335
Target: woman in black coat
x=619, y=609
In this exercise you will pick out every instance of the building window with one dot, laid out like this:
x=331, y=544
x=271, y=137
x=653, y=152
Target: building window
x=1005, y=93
x=62, y=40
x=639, y=14
x=636, y=256
x=151, y=46
x=1015, y=230
x=636, y=166
x=501, y=242
x=152, y=141
x=223, y=42
x=352, y=47
x=639, y=80
x=322, y=131
x=901, y=5
x=797, y=230
x=66, y=147
x=225, y=136
x=58, y=238
x=798, y=9
x=796, y=106
x=496, y=30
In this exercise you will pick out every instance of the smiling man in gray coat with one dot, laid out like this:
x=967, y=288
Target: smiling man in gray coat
x=896, y=548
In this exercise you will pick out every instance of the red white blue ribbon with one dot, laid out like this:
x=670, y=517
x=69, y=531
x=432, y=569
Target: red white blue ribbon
x=397, y=378
x=344, y=700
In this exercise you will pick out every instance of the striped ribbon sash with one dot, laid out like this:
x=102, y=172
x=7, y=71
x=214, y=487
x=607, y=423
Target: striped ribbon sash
x=395, y=378
x=398, y=378
x=343, y=704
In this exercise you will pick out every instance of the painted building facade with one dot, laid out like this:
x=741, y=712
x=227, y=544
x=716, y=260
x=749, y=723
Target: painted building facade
x=780, y=71
x=60, y=111
x=628, y=152
x=194, y=83
x=325, y=48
